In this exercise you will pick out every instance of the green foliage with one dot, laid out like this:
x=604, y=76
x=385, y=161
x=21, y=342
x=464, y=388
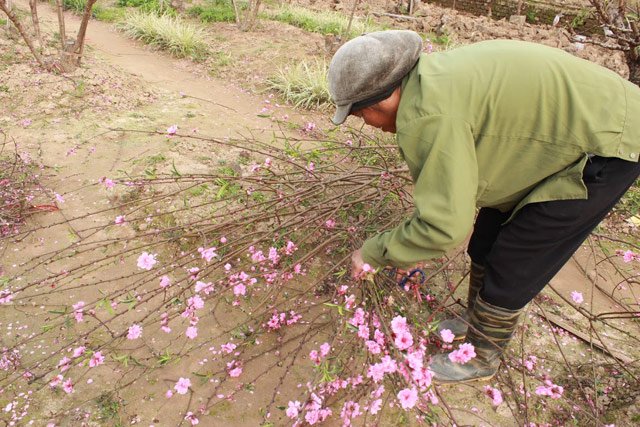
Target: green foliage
x=165, y=32
x=108, y=407
x=304, y=85
x=77, y=6
x=108, y=14
x=159, y=7
x=580, y=19
x=214, y=11
x=3, y=21
x=320, y=22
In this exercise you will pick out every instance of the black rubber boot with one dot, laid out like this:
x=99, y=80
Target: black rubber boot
x=458, y=326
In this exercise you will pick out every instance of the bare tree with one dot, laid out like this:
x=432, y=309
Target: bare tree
x=620, y=23
x=70, y=52
x=246, y=17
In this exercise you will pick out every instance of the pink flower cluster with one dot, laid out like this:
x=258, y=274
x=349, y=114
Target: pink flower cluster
x=403, y=338
x=279, y=320
x=494, y=394
x=146, y=261
x=463, y=354
x=78, y=311
x=550, y=389
x=316, y=356
x=628, y=256
x=208, y=254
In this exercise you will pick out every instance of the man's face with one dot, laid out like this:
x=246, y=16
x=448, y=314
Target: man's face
x=377, y=118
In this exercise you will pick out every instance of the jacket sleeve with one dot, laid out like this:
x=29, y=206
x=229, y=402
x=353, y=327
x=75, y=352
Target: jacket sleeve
x=440, y=152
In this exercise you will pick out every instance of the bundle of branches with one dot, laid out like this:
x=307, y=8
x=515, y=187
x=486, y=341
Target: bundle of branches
x=198, y=290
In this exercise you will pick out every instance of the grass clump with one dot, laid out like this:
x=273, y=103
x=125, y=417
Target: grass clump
x=320, y=22
x=214, y=11
x=304, y=85
x=108, y=14
x=166, y=32
x=159, y=7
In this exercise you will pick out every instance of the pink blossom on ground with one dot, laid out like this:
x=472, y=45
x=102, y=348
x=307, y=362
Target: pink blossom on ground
x=373, y=347
x=182, y=386
x=146, y=261
x=171, y=130
x=367, y=268
x=134, y=332
x=463, y=354
x=447, y=336
x=192, y=332
x=577, y=297
x=59, y=198
x=293, y=409
x=494, y=394
x=228, y=347
x=168, y=394
x=96, y=359
x=314, y=356
x=330, y=224
x=408, y=397
x=120, y=220
x=6, y=296
x=311, y=167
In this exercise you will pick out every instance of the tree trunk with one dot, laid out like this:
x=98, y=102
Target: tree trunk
x=34, y=18
x=63, y=33
x=78, y=46
x=27, y=39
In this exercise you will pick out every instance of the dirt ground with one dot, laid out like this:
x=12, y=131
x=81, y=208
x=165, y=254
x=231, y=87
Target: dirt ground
x=73, y=126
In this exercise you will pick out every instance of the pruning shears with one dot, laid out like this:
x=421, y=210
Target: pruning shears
x=411, y=281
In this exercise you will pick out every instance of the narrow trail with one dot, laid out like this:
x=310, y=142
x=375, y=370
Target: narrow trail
x=232, y=109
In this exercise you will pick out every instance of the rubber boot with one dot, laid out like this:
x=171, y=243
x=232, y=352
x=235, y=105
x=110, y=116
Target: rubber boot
x=458, y=326
x=491, y=330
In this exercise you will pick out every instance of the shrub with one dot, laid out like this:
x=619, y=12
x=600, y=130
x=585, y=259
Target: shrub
x=304, y=85
x=320, y=22
x=166, y=32
x=159, y=7
x=214, y=11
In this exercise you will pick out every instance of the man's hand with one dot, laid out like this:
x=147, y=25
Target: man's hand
x=357, y=265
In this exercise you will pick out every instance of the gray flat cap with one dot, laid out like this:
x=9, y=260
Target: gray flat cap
x=369, y=66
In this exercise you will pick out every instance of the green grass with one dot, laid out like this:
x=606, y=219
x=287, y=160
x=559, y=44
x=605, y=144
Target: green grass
x=214, y=11
x=159, y=7
x=77, y=6
x=169, y=33
x=304, y=85
x=108, y=14
x=320, y=22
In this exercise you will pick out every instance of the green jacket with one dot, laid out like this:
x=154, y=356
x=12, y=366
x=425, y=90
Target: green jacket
x=500, y=124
